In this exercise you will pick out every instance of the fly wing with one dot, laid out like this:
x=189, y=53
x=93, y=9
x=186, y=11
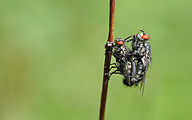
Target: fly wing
x=126, y=72
x=146, y=61
x=143, y=81
x=148, y=52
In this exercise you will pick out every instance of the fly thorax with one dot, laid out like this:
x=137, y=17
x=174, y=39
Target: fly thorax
x=123, y=50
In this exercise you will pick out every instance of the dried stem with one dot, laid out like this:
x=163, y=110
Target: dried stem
x=108, y=48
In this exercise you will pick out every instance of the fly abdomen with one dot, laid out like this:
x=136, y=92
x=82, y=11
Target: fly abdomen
x=140, y=71
x=125, y=82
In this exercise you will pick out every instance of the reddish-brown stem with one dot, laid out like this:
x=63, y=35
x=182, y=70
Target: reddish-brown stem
x=108, y=48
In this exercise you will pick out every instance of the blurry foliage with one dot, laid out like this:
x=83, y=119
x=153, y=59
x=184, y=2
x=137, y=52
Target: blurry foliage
x=52, y=55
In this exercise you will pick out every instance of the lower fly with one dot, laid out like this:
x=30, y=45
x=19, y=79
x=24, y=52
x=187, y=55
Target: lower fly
x=123, y=64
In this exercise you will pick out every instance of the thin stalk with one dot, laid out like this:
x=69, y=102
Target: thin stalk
x=108, y=49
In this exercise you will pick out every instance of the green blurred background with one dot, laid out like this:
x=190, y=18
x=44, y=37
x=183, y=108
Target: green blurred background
x=52, y=56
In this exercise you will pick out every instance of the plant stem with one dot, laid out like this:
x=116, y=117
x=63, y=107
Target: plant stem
x=108, y=50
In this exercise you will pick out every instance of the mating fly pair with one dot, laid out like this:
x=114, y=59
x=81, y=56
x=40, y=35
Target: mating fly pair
x=132, y=64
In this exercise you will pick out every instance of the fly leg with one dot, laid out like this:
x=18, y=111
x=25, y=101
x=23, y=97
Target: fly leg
x=109, y=46
x=108, y=52
x=112, y=66
x=114, y=72
x=117, y=71
x=115, y=66
x=129, y=37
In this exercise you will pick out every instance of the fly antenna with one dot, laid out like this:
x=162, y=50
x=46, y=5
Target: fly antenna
x=142, y=31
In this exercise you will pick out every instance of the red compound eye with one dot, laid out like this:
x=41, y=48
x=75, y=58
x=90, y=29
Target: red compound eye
x=120, y=42
x=145, y=37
